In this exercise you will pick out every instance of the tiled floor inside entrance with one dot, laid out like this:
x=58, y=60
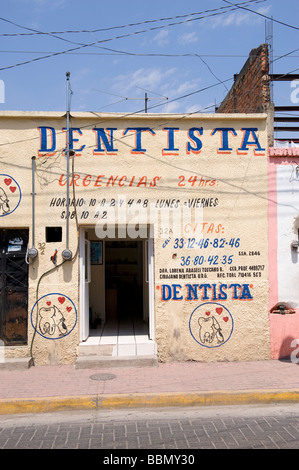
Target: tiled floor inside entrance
x=121, y=338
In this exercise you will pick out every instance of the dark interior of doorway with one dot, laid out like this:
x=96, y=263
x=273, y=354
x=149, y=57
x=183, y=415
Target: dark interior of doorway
x=13, y=286
x=124, y=280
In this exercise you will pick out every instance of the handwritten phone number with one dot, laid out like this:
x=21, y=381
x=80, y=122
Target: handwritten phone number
x=206, y=242
x=211, y=260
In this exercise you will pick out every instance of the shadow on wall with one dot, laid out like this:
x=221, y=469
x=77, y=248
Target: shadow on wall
x=289, y=350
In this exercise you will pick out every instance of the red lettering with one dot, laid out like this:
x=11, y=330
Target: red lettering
x=74, y=180
x=120, y=181
x=131, y=182
x=87, y=180
x=111, y=180
x=61, y=182
x=99, y=180
x=143, y=180
x=155, y=180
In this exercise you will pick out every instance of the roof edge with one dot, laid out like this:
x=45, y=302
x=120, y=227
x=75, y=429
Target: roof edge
x=129, y=116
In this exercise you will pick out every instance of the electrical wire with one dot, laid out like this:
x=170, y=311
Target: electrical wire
x=179, y=118
x=125, y=115
x=144, y=54
x=262, y=15
x=172, y=120
x=129, y=25
x=53, y=35
x=100, y=41
x=116, y=52
x=176, y=119
x=285, y=55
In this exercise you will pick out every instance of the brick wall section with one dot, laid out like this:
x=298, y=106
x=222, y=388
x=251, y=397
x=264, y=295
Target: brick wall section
x=250, y=92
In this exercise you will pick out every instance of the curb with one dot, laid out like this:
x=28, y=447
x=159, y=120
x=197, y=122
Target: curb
x=138, y=400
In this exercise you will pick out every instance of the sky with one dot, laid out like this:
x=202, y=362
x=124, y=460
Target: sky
x=182, y=54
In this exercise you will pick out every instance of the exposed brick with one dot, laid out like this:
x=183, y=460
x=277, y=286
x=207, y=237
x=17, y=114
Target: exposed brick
x=251, y=89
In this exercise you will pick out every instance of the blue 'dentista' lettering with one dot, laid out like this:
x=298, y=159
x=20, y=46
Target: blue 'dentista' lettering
x=250, y=131
x=195, y=140
x=47, y=134
x=205, y=292
x=72, y=139
x=224, y=137
x=104, y=143
x=105, y=140
x=138, y=130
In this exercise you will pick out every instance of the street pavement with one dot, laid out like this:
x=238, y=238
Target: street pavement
x=146, y=435
x=42, y=389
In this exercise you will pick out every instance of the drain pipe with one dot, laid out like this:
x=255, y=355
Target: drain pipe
x=32, y=252
x=67, y=254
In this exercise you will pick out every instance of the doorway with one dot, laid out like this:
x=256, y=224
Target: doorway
x=124, y=282
x=13, y=287
x=116, y=291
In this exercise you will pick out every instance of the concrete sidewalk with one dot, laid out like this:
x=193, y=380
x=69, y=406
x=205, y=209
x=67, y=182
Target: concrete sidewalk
x=53, y=388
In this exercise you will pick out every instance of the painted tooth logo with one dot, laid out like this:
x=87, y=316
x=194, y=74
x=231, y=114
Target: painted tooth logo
x=211, y=325
x=10, y=195
x=54, y=316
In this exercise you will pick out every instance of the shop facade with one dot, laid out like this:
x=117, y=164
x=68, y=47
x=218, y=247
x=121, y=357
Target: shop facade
x=160, y=221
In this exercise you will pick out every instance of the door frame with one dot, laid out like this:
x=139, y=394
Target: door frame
x=84, y=284
x=85, y=278
x=149, y=280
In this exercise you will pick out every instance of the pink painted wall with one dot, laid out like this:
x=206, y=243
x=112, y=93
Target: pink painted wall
x=283, y=330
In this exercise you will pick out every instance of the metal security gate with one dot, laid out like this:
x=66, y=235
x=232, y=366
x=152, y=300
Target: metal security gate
x=13, y=287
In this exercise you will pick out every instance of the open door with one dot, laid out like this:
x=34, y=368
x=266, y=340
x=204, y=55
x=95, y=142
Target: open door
x=85, y=277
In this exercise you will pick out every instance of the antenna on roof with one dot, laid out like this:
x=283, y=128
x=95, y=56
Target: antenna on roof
x=269, y=41
x=146, y=97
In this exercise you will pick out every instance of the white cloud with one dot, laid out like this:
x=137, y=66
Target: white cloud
x=151, y=79
x=162, y=38
x=171, y=107
x=240, y=17
x=199, y=108
x=194, y=108
x=80, y=73
x=39, y=6
x=171, y=83
x=181, y=88
x=188, y=38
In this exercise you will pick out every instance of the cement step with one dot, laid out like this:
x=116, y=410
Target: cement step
x=108, y=362
x=148, y=348
x=16, y=363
